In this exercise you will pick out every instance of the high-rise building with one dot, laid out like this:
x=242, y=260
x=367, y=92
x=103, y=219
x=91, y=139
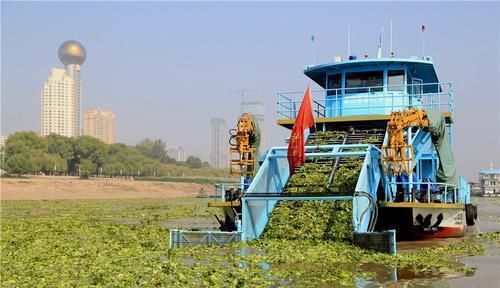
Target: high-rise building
x=61, y=94
x=258, y=111
x=219, y=146
x=100, y=124
x=177, y=153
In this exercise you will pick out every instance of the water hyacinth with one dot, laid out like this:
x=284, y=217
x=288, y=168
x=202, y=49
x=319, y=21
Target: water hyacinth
x=312, y=220
x=320, y=220
x=326, y=220
x=61, y=244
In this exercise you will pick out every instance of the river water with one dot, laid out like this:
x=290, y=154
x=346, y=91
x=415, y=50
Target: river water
x=487, y=273
x=487, y=266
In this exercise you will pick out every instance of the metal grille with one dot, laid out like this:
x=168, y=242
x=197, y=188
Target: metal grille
x=379, y=241
x=181, y=238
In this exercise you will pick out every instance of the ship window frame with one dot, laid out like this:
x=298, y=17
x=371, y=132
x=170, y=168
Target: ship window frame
x=417, y=86
x=397, y=87
x=363, y=86
x=338, y=90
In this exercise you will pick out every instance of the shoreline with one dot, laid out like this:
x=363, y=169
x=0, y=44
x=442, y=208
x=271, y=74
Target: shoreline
x=67, y=187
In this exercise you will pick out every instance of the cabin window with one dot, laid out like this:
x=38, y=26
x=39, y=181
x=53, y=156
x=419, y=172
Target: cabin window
x=334, y=82
x=363, y=80
x=395, y=80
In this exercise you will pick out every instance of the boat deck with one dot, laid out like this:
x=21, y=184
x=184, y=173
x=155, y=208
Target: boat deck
x=372, y=119
x=421, y=205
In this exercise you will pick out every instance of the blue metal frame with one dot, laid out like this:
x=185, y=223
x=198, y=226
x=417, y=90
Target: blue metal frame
x=195, y=238
x=273, y=175
x=423, y=67
x=370, y=103
x=222, y=188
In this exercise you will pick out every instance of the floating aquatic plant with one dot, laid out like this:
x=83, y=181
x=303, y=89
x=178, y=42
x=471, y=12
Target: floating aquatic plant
x=59, y=244
x=317, y=220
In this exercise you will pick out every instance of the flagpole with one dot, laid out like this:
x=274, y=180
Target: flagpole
x=312, y=48
x=391, y=53
x=348, y=40
x=314, y=121
x=423, y=41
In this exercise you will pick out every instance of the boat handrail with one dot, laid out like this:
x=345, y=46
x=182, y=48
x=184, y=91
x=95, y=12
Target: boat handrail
x=374, y=101
x=222, y=187
x=446, y=187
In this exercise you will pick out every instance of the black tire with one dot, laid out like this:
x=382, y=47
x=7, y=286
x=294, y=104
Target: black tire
x=470, y=214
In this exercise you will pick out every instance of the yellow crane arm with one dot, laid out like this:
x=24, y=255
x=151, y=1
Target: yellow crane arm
x=397, y=155
x=242, y=152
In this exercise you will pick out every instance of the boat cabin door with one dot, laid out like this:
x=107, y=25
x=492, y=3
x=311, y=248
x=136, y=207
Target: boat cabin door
x=417, y=91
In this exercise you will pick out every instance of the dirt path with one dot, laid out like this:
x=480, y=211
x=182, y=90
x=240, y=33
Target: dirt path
x=49, y=188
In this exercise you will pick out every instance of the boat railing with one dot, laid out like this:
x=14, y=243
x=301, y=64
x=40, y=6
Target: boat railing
x=374, y=100
x=430, y=192
x=220, y=190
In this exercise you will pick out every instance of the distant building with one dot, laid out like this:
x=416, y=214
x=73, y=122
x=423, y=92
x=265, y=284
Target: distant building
x=176, y=153
x=2, y=152
x=489, y=181
x=61, y=94
x=2, y=140
x=100, y=124
x=219, y=146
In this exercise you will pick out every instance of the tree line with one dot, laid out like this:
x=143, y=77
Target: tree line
x=29, y=153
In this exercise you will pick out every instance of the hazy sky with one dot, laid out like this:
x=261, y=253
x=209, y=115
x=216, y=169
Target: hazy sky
x=166, y=68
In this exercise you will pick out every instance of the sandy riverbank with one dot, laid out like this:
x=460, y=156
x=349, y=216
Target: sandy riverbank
x=49, y=188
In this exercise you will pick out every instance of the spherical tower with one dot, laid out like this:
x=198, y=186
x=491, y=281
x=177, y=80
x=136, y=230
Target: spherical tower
x=72, y=52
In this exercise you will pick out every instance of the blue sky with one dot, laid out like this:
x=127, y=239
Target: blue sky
x=166, y=68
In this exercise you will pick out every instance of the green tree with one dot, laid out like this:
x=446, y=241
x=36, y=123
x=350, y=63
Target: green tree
x=92, y=149
x=59, y=154
x=60, y=145
x=37, y=160
x=193, y=162
x=24, y=143
x=87, y=168
x=155, y=149
x=114, y=169
x=19, y=164
x=54, y=164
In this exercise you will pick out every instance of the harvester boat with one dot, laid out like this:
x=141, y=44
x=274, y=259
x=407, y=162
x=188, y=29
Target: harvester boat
x=393, y=115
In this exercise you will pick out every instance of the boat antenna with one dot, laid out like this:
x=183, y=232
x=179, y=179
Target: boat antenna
x=390, y=44
x=348, y=40
x=379, y=50
x=312, y=49
x=423, y=41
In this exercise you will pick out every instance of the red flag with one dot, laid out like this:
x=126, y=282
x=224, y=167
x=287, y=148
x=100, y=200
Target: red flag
x=296, y=147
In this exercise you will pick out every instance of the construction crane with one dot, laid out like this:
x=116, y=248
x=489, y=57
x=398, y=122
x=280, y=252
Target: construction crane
x=244, y=141
x=397, y=155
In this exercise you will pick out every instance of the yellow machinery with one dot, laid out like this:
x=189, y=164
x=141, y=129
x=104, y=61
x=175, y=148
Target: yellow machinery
x=397, y=155
x=243, y=151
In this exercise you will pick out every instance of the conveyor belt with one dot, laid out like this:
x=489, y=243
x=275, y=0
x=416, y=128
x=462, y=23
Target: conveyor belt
x=328, y=166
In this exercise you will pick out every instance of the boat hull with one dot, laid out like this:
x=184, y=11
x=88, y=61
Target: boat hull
x=414, y=221
x=438, y=222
